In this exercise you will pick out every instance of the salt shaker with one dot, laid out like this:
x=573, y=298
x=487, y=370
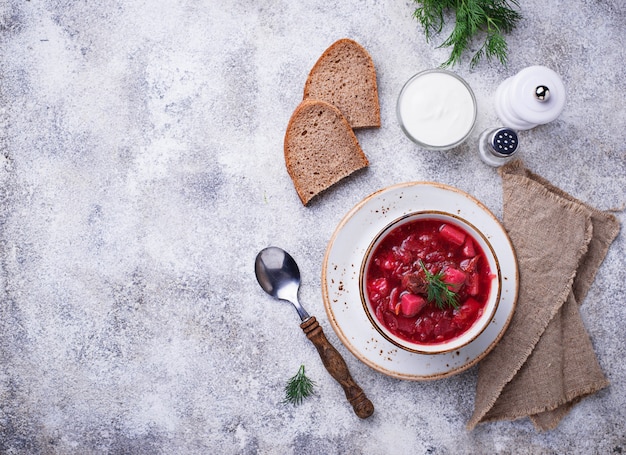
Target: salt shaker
x=534, y=96
x=497, y=146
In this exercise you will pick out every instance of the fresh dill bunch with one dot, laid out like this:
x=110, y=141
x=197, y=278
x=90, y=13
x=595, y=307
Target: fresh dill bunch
x=489, y=18
x=298, y=388
x=438, y=290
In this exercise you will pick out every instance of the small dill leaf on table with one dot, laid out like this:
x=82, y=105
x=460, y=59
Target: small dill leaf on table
x=298, y=388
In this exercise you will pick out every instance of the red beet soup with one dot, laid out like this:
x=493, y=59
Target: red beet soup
x=398, y=273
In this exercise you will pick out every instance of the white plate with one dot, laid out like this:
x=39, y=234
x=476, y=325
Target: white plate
x=340, y=279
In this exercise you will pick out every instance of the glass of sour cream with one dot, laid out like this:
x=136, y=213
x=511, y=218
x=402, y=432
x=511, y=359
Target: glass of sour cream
x=436, y=109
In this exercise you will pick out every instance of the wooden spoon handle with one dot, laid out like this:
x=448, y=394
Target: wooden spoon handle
x=336, y=366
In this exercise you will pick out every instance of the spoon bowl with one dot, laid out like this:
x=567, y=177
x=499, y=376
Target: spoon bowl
x=279, y=276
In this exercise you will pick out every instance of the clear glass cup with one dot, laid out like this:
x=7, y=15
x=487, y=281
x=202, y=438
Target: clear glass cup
x=437, y=109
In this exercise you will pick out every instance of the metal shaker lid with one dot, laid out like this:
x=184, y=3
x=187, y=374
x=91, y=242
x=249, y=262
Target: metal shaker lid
x=504, y=142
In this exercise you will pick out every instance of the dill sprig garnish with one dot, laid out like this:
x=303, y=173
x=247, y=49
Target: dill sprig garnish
x=490, y=18
x=438, y=290
x=298, y=388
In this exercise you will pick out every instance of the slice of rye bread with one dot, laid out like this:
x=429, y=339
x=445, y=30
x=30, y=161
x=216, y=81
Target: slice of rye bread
x=320, y=148
x=345, y=77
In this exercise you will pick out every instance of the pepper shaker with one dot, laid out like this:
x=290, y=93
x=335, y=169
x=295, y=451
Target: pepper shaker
x=498, y=146
x=534, y=96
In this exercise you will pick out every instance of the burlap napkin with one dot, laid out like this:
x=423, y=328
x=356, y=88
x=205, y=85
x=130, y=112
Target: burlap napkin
x=545, y=362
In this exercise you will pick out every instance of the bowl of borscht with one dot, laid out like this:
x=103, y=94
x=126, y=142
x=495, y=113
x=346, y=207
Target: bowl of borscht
x=429, y=282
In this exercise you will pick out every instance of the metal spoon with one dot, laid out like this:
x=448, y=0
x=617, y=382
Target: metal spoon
x=279, y=276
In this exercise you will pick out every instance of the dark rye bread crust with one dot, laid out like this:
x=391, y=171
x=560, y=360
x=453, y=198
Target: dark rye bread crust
x=345, y=77
x=320, y=148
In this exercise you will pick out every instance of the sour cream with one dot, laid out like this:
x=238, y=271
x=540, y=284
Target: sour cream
x=436, y=109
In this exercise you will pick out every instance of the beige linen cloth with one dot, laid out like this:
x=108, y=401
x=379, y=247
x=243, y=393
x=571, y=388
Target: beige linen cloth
x=545, y=362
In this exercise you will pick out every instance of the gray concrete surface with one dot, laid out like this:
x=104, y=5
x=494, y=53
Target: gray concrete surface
x=142, y=169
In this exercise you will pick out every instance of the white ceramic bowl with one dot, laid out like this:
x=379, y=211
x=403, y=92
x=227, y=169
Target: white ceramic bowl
x=341, y=287
x=489, y=309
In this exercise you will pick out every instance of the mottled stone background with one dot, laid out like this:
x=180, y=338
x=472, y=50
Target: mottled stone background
x=141, y=169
